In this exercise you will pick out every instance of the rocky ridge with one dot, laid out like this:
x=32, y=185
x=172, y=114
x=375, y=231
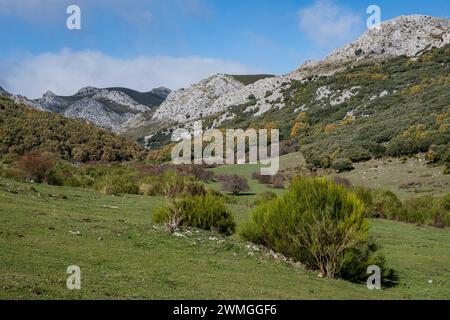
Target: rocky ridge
x=405, y=35
x=106, y=108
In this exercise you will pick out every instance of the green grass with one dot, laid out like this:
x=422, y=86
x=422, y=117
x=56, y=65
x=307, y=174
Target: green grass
x=122, y=255
x=390, y=174
x=246, y=170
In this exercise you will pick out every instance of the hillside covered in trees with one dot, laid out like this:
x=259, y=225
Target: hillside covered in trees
x=23, y=130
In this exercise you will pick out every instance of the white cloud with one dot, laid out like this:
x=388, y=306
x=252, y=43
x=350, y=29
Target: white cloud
x=67, y=71
x=329, y=24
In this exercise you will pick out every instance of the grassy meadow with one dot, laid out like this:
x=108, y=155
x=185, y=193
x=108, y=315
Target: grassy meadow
x=122, y=255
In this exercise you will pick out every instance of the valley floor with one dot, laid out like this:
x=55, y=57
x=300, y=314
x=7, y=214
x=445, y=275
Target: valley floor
x=44, y=229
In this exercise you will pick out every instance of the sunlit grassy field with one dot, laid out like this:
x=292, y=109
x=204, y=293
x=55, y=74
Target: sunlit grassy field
x=44, y=229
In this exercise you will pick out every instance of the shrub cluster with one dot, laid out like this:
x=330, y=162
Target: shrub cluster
x=426, y=210
x=320, y=224
x=171, y=184
x=206, y=212
x=110, y=178
x=342, y=164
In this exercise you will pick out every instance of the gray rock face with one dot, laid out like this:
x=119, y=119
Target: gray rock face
x=87, y=91
x=90, y=110
x=198, y=100
x=120, y=98
x=29, y=103
x=105, y=108
x=405, y=35
x=52, y=102
x=4, y=93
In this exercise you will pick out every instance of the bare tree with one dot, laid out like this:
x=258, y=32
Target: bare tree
x=234, y=184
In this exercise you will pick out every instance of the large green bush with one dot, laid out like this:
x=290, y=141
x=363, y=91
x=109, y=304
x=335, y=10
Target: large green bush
x=206, y=212
x=318, y=223
x=117, y=184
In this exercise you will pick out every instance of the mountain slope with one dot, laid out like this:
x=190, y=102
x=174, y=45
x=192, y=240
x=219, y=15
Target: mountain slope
x=396, y=107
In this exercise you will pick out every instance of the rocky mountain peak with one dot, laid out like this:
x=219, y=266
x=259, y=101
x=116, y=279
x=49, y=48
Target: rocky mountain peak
x=197, y=101
x=404, y=35
x=49, y=94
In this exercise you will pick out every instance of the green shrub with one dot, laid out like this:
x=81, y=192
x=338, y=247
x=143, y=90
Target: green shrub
x=78, y=182
x=117, y=184
x=8, y=173
x=171, y=184
x=204, y=212
x=400, y=146
x=447, y=170
x=10, y=158
x=355, y=269
x=427, y=210
x=342, y=164
x=386, y=205
x=318, y=223
x=359, y=155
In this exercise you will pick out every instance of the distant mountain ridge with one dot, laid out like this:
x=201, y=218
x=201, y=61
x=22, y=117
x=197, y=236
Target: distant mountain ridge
x=108, y=108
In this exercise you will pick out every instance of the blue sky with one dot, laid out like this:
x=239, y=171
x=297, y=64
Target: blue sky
x=146, y=43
